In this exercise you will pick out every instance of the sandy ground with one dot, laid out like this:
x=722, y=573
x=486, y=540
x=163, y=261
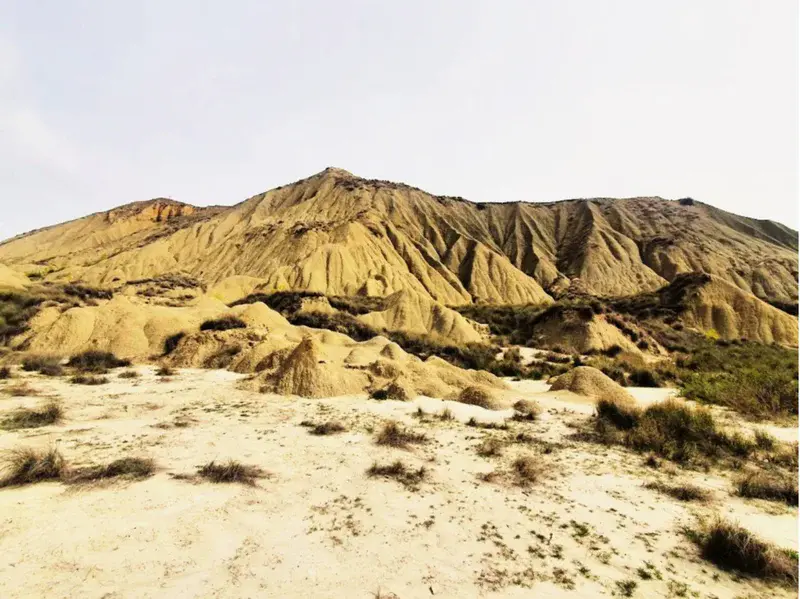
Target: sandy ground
x=318, y=526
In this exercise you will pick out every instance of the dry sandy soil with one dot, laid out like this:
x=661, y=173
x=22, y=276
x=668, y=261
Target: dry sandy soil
x=319, y=526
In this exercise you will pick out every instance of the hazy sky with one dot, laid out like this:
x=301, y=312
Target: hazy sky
x=108, y=102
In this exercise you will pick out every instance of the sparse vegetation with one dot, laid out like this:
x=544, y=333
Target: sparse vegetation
x=731, y=547
x=129, y=374
x=626, y=588
x=681, y=492
x=394, y=435
x=5, y=373
x=327, y=428
x=20, y=390
x=46, y=364
x=88, y=379
x=769, y=486
x=164, y=371
x=669, y=429
x=230, y=472
x=124, y=467
x=28, y=466
x=98, y=362
x=528, y=469
x=49, y=413
x=398, y=471
x=225, y=323
x=490, y=447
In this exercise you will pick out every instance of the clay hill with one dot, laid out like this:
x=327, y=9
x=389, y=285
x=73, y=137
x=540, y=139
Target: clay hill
x=342, y=235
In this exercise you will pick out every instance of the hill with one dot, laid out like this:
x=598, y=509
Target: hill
x=339, y=234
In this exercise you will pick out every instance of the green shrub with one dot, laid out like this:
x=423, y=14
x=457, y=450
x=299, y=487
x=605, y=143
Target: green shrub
x=225, y=323
x=644, y=377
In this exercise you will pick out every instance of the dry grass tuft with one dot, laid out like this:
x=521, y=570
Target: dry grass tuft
x=88, y=379
x=231, y=472
x=129, y=374
x=165, y=371
x=491, y=447
x=400, y=472
x=44, y=415
x=28, y=466
x=327, y=428
x=681, y=492
x=127, y=467
x=528, y=469
x=731, y=547
x=394, y=435
x=5, y=373
x=44, y=363
x=772, y=487
x=20, y=390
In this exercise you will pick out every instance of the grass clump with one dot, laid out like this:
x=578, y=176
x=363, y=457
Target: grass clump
x=327, y=428
x=28, y=466
x=127, y=467
x=5, y=373
x=669, y=429
x=96, y=361
x=394, y=435
x=44, y=415
x=165, y=371
x=772, y=487
x=20, y=390
x=681, y=492
x=225, y=323
x=528, y=469
x=230, y=472
x=45, y=364
x=490, y=447
x=731, y=547
x=129, y=374
x=398, y=471
x=88, y=379
x=626, y=588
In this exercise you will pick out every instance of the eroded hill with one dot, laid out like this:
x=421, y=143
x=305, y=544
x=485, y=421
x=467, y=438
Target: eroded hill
x=338, y=234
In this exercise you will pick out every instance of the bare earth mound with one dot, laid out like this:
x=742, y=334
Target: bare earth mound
x=585, y=380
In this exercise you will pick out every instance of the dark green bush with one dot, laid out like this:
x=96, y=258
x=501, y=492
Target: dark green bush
x=96, y=361
x=171, y=342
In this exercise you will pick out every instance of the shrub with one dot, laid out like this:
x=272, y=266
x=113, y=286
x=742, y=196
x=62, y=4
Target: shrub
x=670, y=429
x=394, y=435
x=400, y=472
x=20, y=390
x=96, y=361
x=764, y=440
x=772, y=487
x=51, y=370
x=230, y=472
x=165, y=371
x=526, y=409
x=223, y=324
x=681, y=492
x=171, y=342
x=644, y=377
x=85, y=379
x=731, y=547
x=5, y=373
x=379, y=394
x=36, y=363
x=490, y=447
x=327, y=428
x=622, y=415
x=128, y=467
x=46, y=414
x=528, y=469
x=129, y=374
x=27, y=466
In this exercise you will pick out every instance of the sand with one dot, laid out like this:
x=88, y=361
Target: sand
x=319, y=526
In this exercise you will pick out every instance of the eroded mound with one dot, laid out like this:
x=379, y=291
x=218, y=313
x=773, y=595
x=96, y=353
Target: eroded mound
x=585, y=380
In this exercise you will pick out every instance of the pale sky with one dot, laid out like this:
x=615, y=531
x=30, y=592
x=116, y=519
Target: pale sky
x=108, y=102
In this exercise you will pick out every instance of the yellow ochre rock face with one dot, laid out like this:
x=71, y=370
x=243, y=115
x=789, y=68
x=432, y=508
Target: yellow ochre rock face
x=339, y=234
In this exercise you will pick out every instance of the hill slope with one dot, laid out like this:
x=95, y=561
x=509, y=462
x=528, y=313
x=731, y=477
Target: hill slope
x=342, y=235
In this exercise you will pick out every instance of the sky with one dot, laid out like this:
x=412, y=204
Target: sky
x=105, y=103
